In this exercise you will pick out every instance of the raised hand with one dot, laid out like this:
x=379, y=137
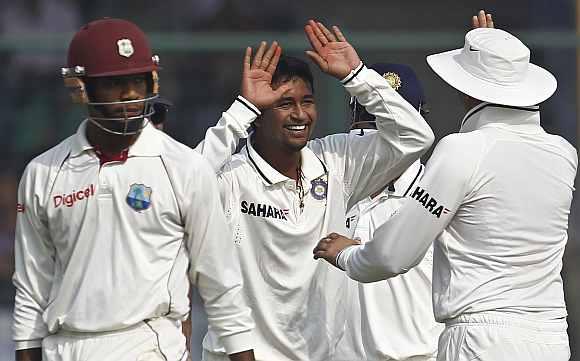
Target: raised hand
x=482, y=20
x=257, y=76
x=329, y=247
x=330, y=50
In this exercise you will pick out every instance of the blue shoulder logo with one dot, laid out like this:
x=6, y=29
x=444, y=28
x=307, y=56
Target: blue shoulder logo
x=139, y=197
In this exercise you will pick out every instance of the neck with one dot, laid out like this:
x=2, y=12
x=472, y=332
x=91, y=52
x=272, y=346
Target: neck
x=108, y=143
x=284, y=161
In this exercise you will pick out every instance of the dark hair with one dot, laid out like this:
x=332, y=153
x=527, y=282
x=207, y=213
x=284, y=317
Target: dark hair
x=290, y=67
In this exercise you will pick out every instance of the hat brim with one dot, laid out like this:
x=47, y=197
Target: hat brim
x=538, y=85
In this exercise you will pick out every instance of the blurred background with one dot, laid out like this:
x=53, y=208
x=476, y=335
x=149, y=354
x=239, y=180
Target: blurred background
x=201, y=44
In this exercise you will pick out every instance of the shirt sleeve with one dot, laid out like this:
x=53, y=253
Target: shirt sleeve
x=221, y=140
x=369, y=162
x=215, y=268
x=34, y=256
x=401, y=242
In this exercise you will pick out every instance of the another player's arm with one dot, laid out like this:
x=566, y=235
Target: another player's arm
x=403, y=240
x=256, y=94
x=215, y=268
x=34, y=256
x=403, y=135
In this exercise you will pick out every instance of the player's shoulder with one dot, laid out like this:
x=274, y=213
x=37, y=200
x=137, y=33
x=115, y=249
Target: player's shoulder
x=52, y=158
x=567, y=149
x=239, y=165
x=454, y=143
x=177, y=154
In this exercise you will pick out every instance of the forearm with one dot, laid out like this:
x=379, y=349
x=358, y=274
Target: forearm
x=222, y=139
x=242, y=356
x=34, y=354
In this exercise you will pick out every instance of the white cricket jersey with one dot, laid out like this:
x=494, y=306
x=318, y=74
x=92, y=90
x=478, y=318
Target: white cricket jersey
x=392, y=319
x=298, y=303
x=104, y=247
x=496, y=197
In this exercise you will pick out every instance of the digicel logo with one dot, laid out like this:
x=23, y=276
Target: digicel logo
x=70, y=199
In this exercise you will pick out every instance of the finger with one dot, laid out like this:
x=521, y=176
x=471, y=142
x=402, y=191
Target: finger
x=330, y=36
x=319, y=34
x=490, y=21
x=474, y=22
x=274, y=62
x=317, y=59
x=482, y=19
x=247, y=57
x=268, y=55
x=320, y=254
x=259, y=54
x=279, y=92
x=333, y=235
x=314, y=42
x=321, y=247
x=339, y=34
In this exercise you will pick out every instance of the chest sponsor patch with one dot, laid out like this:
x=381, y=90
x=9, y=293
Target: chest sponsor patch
x=69, y=200
x=139, y=197
x=429, y=202
x=263, y=210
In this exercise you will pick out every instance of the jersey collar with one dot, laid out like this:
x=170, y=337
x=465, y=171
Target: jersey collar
x=312, y=166
x=522, y=119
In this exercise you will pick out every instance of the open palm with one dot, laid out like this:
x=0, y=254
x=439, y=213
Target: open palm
x=330, y=50
x=257, y=76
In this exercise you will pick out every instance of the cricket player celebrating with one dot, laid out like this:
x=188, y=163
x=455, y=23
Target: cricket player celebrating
x=281, y=192
x=399, y=307
x=495, y=198
x=114, y=222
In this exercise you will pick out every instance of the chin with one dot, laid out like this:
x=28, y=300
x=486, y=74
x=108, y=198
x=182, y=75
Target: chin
x=297, y=146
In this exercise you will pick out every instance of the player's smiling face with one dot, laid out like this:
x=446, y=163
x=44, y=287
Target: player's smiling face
x=290, y=122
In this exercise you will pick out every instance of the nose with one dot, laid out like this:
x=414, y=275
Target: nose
x=299, y=112
x=129, y=91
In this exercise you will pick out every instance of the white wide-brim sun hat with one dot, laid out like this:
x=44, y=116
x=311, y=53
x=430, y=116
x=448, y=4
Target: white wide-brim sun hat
x=494, y=66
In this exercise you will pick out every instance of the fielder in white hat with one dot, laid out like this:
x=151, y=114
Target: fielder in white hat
x=495, y=200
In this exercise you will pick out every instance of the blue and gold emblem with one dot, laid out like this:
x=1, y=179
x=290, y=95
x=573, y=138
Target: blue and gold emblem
x=318, y=188
x=139, y=197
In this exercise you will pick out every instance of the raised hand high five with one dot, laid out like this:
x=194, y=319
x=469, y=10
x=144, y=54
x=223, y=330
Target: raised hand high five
x=330, y=50
x=257, y=76
x=482, y=20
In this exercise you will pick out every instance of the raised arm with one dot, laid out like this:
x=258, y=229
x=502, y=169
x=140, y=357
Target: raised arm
x=367, y=163
x=256, y=93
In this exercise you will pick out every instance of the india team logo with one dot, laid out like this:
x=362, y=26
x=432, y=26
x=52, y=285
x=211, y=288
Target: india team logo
x=139, y=197
x=318, y=188
x=125, y=47
x=394, y=80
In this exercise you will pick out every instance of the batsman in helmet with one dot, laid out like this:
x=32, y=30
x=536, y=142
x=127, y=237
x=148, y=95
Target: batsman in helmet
x=117, y=220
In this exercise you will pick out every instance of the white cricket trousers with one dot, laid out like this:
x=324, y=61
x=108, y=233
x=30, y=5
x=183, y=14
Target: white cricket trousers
x=158, y=339
x=487, y=337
